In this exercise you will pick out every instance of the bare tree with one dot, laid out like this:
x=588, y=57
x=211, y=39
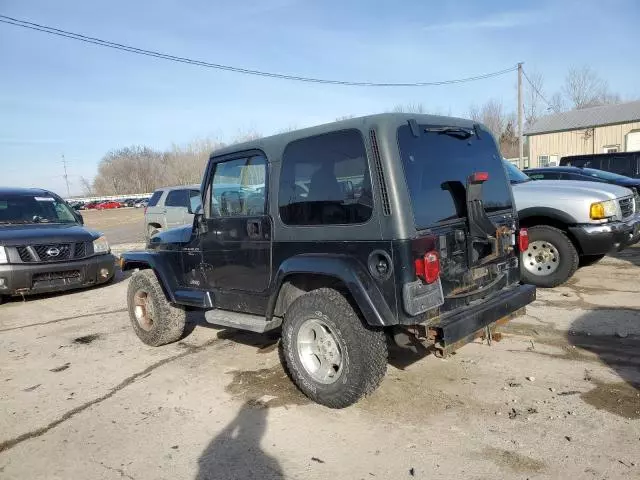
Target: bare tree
x=584, y=88
x=409, y=108
x=491, y=114
x=87, y=187
x=533, y=104
x=557, y=103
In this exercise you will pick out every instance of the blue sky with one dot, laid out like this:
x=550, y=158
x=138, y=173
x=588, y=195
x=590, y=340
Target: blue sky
x=61, y=96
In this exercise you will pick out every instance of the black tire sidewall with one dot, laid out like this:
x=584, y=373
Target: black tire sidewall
x=568, y=257
x=363, y=349
x=168, y=321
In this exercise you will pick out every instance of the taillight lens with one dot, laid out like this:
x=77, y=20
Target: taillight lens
x=523, y=239
x=428, y=267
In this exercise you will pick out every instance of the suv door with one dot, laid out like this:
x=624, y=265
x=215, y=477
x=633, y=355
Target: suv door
x=176, y=207
x=236, y=247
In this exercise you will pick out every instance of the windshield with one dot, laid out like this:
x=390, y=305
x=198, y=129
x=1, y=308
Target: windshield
x=34, y=209
x=437, y=165
x=592, y=172
x=514, y=174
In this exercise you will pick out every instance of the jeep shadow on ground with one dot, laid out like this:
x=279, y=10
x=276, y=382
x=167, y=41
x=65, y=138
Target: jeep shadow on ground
x=264, y=342
x=235, y=453
x=613, y=334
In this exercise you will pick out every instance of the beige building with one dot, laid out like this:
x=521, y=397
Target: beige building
x=605, y=129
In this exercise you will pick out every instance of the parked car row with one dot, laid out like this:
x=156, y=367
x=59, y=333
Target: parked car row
x=109, y=204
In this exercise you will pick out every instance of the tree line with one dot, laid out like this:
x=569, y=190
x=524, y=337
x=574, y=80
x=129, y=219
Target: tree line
x=138, y=168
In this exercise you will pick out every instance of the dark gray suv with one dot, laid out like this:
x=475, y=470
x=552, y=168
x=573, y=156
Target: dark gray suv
x=44, y=246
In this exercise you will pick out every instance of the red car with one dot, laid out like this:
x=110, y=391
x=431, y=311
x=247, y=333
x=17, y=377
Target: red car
x=108, y=205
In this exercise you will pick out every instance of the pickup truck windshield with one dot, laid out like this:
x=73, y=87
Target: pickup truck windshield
x=437, y=164
x=22, y=209
x=515, y=175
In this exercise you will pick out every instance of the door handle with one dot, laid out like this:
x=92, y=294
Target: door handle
x=254, y=229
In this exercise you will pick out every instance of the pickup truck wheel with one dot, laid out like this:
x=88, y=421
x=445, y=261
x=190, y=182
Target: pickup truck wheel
x=330, y=354
x=551, y=258
x=155, y=321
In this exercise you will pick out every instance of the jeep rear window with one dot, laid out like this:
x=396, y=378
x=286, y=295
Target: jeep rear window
x=437, y=165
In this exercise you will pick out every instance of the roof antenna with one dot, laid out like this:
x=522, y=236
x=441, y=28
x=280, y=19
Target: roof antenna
x=415, y=130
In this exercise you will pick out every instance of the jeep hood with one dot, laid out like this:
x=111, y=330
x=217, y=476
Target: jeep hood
x=571, y=189
x=40, y=233
x=173, y=237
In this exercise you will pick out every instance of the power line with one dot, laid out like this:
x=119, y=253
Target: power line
x=151, y=53
x=535, y=89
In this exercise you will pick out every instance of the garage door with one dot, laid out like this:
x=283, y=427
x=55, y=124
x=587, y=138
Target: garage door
x=633, y=141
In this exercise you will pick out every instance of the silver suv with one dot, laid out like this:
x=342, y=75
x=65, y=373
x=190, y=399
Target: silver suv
x=171, y=207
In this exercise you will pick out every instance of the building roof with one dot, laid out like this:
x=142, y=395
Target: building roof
x=586, y=118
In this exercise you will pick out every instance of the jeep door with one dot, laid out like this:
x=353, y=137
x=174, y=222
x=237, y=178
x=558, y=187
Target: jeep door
x=236, y=247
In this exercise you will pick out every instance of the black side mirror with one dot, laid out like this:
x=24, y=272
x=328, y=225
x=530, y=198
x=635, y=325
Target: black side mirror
x=80, y=218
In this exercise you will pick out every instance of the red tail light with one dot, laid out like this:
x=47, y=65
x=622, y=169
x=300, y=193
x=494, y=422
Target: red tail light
x=428, y=267
x=479, y=177
x=523, y=239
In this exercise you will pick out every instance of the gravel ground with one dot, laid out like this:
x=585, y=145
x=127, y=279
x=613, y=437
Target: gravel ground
x=120, y=226
x=558, y=397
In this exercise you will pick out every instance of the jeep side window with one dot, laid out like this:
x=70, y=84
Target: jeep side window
x=177, y=198
x=324, y=180
x=238, y=187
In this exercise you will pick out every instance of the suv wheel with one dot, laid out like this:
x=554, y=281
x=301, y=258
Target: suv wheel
x=151, y=231
x=154, y=319
x=330, y=354
x=551, y=258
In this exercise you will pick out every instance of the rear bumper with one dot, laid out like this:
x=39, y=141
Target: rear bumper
x=603, y=239
x=24, y=279
x=462, y=325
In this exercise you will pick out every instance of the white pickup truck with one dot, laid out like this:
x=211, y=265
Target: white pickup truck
x=571, y=223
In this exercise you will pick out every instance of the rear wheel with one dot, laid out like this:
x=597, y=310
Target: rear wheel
x=330, y=354
x=155, y=321
x=551, y=258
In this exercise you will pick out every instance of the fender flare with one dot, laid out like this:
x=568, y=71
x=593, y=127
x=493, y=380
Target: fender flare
x=548, y=212
x=346, y=269
x=158, y=263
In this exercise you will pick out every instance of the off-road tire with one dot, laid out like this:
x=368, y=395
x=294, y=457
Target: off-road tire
x=151, y=231
x=568, y=257
x=586, y=260
x=168, y=321
x=363, y=348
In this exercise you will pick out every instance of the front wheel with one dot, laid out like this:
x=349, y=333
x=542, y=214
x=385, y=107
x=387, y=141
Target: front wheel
x=155, y=321
x=330, y=354
x=551, y=258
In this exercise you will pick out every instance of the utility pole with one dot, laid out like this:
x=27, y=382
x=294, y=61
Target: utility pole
x=520, y=128
x=66, y=177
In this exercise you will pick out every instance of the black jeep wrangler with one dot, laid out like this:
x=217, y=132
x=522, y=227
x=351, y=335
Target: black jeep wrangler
x=338, y=235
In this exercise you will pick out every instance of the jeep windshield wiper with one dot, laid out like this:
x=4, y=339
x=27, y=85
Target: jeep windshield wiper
x=457, y=132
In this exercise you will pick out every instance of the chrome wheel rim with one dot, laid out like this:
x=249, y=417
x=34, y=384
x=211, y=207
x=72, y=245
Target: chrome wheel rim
x=319, y=351
x=541, y=258
x=142, y=310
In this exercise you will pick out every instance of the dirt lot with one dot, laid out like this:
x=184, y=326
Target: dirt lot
x=121, y=225
x=81, y=397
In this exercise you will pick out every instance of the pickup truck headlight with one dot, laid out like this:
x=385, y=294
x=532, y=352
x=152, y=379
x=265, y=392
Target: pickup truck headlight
x=3, y=255
x=603, y=210
x=100, y=246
